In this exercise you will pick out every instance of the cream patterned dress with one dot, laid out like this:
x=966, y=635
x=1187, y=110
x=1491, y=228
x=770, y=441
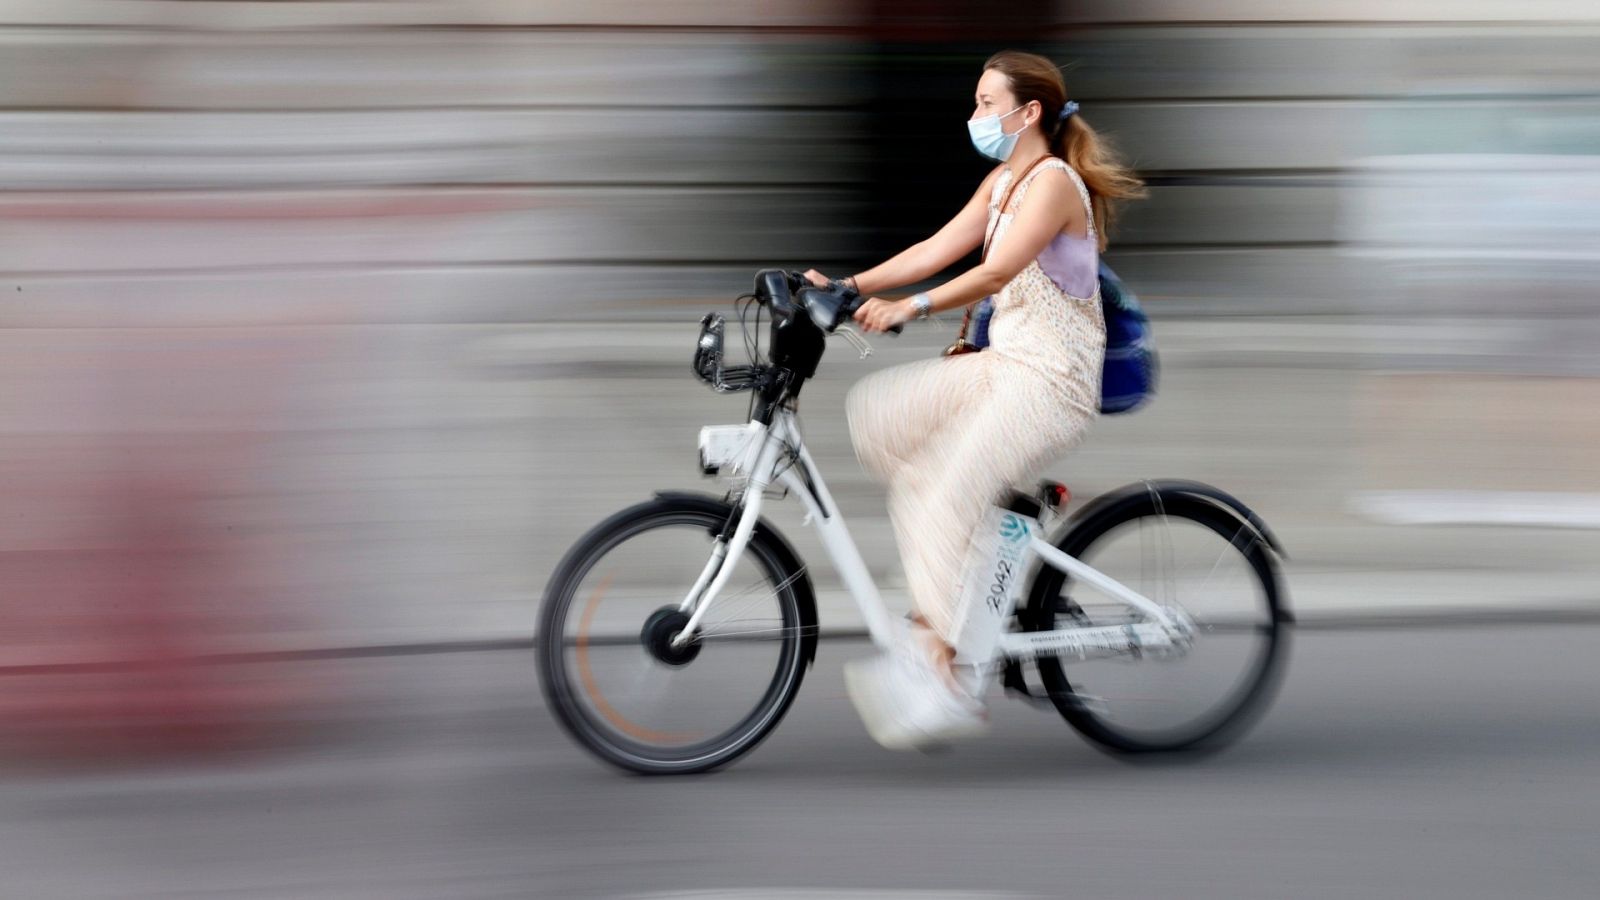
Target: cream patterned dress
x=950, y=435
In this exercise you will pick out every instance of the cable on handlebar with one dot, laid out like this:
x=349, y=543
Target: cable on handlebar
x=752, y=346
x=752, y=341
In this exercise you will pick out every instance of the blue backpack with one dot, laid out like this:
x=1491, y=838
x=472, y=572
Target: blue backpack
x=1128, y=378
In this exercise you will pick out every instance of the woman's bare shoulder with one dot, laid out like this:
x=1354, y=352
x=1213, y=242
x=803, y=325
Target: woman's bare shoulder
x=990, y=184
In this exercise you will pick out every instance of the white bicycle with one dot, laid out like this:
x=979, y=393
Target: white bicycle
x=675, y=634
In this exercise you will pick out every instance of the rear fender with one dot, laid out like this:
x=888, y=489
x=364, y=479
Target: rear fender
x=1213, y=495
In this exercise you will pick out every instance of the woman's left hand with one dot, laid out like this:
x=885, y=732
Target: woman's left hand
x=878, y=314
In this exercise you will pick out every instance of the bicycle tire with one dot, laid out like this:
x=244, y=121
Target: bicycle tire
x=1227, y=721
x=797, y=636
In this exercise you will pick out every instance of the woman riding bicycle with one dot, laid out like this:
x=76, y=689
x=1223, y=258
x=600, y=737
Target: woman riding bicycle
x=950, y=435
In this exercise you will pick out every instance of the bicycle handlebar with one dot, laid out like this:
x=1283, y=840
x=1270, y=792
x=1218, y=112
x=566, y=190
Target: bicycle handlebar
x=828, y=307
x=794, y=303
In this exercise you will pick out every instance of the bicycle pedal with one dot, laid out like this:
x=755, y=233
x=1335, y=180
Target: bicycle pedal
x=1085, y=702
x=1016, y=686
x=1033, y=700
x=1064, y=603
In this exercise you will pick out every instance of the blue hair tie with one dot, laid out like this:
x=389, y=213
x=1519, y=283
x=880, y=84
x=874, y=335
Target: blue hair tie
x=1067, y=111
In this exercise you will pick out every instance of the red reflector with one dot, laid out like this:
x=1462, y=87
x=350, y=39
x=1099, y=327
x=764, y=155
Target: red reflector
x=1058, y=494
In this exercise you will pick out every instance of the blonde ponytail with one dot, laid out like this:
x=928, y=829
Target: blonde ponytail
x=1109, y=181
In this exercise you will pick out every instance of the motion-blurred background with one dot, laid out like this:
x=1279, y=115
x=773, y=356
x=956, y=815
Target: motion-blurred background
x=326, y=327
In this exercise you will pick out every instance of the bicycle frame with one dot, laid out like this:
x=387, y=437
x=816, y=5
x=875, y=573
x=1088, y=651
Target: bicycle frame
x=764, y=456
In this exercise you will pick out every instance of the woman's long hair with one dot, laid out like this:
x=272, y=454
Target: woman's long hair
x=1035, y=78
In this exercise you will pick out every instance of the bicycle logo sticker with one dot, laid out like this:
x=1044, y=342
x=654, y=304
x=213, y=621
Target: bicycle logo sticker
x=1013, y=529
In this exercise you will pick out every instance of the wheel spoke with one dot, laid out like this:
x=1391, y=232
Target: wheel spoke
x=616, y=681
x=1199, y=558
x=769, y=632
x=745, y=603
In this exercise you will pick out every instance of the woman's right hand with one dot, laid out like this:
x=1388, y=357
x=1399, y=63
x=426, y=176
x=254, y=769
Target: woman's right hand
x=816, y=278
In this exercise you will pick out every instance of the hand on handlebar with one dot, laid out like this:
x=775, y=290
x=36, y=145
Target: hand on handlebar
x=878, y=314
x=816, y=278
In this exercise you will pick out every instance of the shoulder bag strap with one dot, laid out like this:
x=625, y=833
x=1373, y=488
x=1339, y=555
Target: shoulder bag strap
x=966, y=321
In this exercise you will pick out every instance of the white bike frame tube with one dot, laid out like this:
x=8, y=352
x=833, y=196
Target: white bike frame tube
x=718, y=554
x=760, y=478
x=992, y=583
x=1090, y=575
x=804, y=481
x=841, y=547
x=1089, y=643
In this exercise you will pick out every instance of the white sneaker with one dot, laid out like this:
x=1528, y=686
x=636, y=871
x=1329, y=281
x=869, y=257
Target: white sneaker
x=907, y=705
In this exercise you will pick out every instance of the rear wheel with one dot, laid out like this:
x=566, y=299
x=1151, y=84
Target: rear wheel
x=620, y=684
x=1180, y=551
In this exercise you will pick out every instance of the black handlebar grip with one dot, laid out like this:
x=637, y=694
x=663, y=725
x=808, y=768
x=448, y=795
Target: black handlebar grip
x=850, y=300
x=853, y=303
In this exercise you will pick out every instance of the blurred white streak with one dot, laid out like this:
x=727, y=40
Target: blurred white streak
x=226, y=149
x=1461, y=208
x=1542, y=509
x=84, y=233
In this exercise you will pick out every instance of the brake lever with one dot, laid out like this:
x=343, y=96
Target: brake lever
x=853, y=301
x=856, y=340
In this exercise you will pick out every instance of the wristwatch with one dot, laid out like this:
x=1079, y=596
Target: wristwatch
x=923, y=304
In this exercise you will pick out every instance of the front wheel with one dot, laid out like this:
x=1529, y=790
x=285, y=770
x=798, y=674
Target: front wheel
x=614, y=677
x=1179, y=551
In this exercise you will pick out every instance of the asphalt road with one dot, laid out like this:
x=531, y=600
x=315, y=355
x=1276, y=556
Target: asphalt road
x=1453, y=762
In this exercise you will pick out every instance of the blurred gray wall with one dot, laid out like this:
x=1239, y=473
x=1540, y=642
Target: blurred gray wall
x=216, y=162
x=211, y=162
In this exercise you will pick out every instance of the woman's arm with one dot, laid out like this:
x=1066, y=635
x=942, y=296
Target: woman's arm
x=1050, y=203
x=926, y=258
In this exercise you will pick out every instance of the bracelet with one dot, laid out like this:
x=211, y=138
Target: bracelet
x=923, y=304
x=852, y=280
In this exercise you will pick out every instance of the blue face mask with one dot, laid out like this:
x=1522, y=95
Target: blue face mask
x=990, y=139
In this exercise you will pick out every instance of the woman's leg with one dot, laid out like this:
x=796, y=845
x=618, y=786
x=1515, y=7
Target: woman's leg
x=943, y=493
x=893, y=412
x=950, y=436
x=917, y=428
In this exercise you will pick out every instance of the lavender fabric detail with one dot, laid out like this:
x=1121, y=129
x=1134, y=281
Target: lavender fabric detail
x=1073, y=263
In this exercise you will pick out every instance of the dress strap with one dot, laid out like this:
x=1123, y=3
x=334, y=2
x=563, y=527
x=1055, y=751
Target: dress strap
x=1083, y=192
x=1056, y=162
x=1017, y=189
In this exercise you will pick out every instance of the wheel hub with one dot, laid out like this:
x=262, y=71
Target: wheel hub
x=663, y=625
